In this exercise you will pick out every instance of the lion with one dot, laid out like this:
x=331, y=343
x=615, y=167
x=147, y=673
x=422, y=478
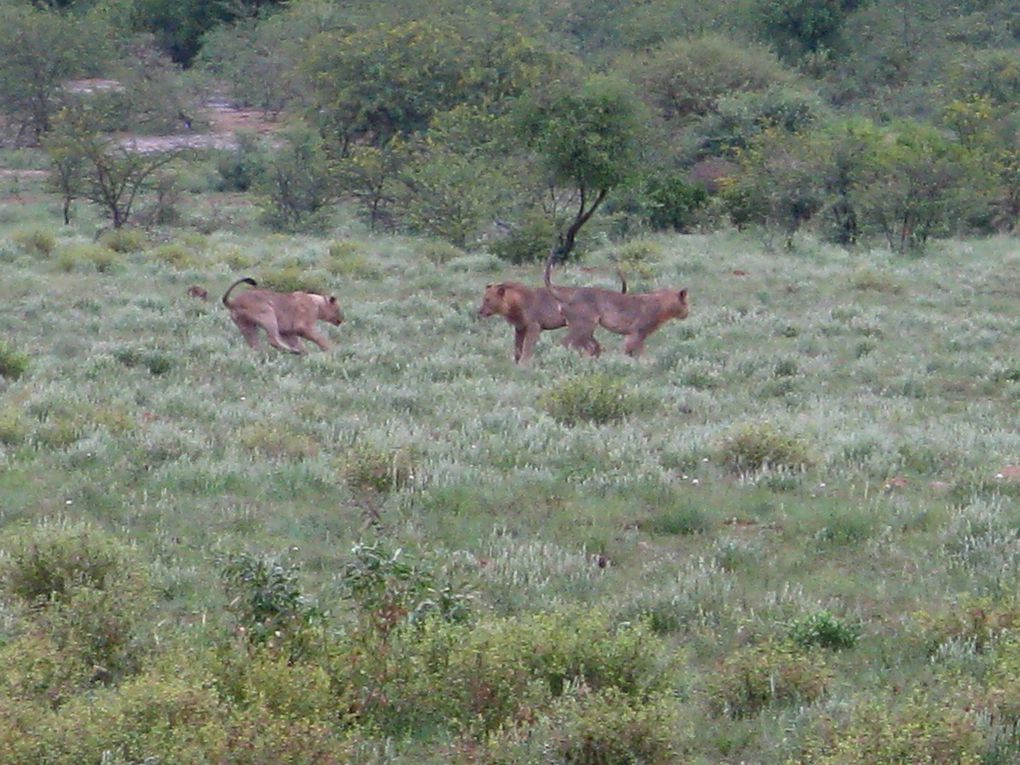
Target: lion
x=285, y=316
x=529, y=309
x=634, y=316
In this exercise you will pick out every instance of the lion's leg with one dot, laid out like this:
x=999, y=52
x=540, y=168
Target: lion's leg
x=519, y=333
x=269, y=324
x=526, y=340
x=316, y=337
x=581, y=332
x=292, y=341
x=635, y=343
x=249, y=330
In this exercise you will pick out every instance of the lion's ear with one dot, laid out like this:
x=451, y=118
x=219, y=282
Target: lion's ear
x=501, y=290
x=683, y=294
x=332, y=299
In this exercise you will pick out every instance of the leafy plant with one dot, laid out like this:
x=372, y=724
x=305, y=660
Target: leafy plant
x=267, y=602
x=596, y=398
x=749, y=448
x=13, y=363
x=823, y=629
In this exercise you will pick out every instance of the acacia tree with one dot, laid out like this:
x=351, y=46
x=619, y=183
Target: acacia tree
x=39, y=51
x=99, y=167
x=588, y=139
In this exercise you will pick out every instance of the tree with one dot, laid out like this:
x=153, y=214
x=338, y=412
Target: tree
x=588, y=138
x=917, y=183
x=375, y=82
x=101, y=168
x=296, y=181
x=808, y=25
x=39, y=51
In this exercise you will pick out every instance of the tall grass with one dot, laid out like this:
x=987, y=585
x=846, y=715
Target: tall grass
x=663, y=500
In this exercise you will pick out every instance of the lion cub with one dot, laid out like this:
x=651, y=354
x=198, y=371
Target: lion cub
x=528, y=309
x=634, y=316
x=285, y=316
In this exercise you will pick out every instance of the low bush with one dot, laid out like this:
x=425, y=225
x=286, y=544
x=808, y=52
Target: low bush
x=609, y=728
x=825, y=630
x=595, y=398
x=763, y=446
x=374, y=469
x=921, y=732
x=13, y=363
x=753, y=678
x=85, y=590
x=95, y=257
x=124, y=240
x=34, y=241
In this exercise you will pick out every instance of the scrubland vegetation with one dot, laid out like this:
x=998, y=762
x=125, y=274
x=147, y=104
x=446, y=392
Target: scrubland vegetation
x=787, y=534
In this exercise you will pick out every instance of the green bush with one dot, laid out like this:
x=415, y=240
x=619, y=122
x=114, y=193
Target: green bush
x=239, y=168
x=175, y=255
x=97, y=257
x=673, y=203
x=85, y=590
x=753, y=678
x=289, y=279
x=13, y=427
x=750, y=448
x=528, y=241
x=370, y=468
x=13, y=363
x=823, y=629
x=920, y=732
x=609, y=728
x=124, y=240
x=595, y=398
x=34, y=241
x=267, y=603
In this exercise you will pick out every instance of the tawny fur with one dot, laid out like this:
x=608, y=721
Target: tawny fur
x=634, y=316
x=530, y=310
x=285, y=316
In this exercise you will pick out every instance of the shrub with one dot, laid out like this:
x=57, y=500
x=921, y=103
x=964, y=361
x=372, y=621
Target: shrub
x=174, y=254
x=391, y=588
x=439, y=252
x=277, y=442
x=267, y=603
x=609, y=728
x=289, y=279
x=94, y=256
x=347, y=258
x=673, y=202
x=823, y=629
x=34, y=241
x=124, y=240
x=13, y=363
x=595, y=398
x=239, y=168
x=753, y=678
x=749, y=448
x=37, y=670
x=369, y=468
x=13, y=428
x=681, y=519
x=87, y=592
x=921, y=732
x=528, y=241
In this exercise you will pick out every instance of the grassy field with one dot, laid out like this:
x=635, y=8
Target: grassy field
x=799, y=499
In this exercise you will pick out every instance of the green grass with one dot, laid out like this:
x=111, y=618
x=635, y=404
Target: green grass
x=141, y=411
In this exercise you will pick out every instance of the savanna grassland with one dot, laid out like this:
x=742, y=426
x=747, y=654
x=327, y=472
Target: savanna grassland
x=784, y=535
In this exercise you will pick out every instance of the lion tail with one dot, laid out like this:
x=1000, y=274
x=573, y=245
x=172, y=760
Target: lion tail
x=244, y=280
x=623, y=281
x=556, y=293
